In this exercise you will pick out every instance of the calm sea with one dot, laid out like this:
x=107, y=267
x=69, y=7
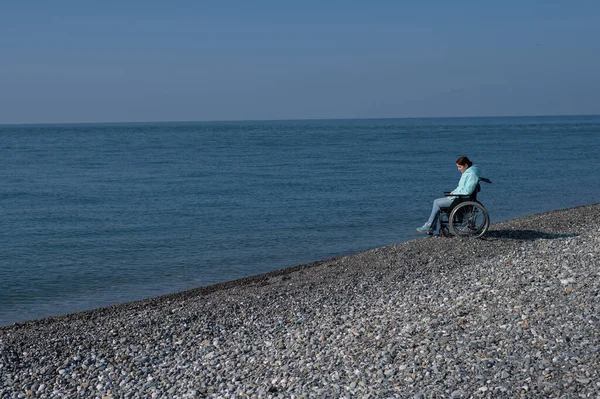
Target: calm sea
x=99, y=214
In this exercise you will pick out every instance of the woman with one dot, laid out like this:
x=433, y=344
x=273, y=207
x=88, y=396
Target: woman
x=466, y=185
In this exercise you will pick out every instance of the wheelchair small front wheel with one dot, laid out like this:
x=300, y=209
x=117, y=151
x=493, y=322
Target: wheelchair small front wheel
x=469, y=219
x=445, y=232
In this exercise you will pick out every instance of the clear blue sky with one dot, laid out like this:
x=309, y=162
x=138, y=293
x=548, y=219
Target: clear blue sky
x=122, y=61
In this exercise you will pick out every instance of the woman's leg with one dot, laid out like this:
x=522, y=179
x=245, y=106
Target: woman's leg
x=437, y=204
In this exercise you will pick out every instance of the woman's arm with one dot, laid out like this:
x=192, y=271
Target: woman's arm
x=466, y=185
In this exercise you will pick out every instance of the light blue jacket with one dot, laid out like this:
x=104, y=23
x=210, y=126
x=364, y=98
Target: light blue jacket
x=468, y=181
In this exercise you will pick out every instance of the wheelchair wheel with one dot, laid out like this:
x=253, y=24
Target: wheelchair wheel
x=469, y=219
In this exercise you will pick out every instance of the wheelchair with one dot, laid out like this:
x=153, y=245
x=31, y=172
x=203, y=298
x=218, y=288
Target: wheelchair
x=465, y=217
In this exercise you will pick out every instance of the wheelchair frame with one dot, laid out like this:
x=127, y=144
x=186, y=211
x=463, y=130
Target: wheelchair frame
x=465, y=217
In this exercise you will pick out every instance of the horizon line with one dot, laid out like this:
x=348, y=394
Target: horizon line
x=290, y=120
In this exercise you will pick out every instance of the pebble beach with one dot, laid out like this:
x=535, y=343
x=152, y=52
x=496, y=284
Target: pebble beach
x=515, y=314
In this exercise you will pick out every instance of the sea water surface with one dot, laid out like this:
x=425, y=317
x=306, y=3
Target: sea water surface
x=98, y=214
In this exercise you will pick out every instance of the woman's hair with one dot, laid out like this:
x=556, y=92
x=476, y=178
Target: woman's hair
x=464, y=161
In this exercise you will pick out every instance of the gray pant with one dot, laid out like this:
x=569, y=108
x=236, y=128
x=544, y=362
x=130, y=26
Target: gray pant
x=437, y=204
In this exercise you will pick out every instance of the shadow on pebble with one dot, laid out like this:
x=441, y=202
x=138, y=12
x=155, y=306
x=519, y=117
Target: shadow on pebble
x=525, y=235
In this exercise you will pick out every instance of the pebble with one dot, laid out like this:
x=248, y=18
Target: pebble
x=514, y=314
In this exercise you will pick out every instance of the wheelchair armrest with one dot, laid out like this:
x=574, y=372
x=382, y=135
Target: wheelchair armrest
x=447, y=193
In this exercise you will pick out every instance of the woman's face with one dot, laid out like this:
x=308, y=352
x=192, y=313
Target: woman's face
x=462, y=168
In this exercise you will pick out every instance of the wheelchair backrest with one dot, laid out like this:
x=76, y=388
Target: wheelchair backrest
x=473, y=195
